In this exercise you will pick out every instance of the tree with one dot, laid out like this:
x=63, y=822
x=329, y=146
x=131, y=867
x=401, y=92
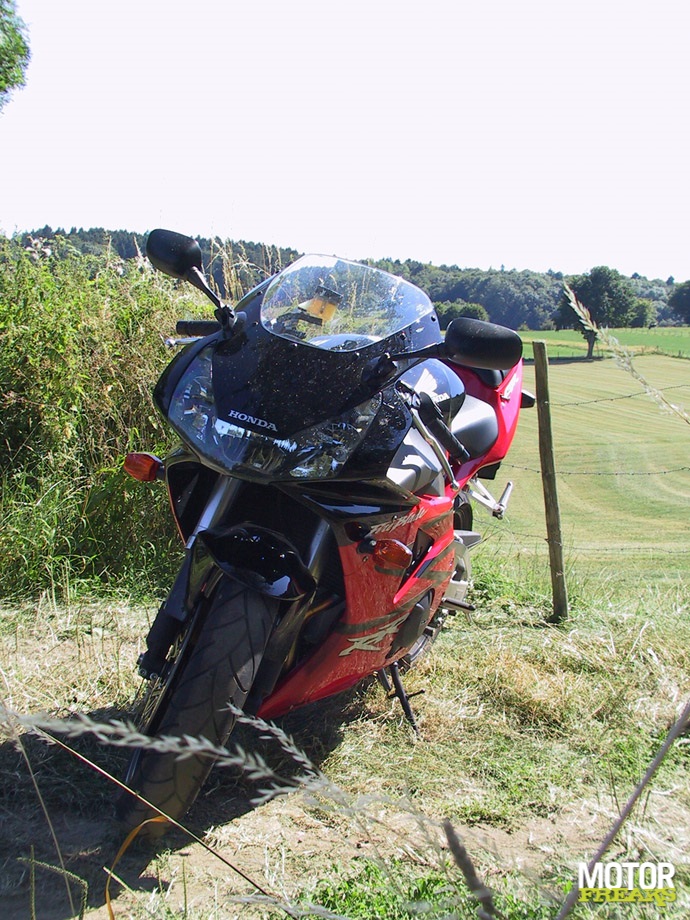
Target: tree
x=608, y=296
x=644, y=314
x=679, y=301
x=448, y=311
x=14, y=50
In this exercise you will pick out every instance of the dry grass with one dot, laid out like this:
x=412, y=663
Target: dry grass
x=531, y=738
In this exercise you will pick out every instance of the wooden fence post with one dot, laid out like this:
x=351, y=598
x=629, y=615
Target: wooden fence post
x=548, y=478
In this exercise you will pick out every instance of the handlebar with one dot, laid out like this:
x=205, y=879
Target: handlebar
x=432, y=417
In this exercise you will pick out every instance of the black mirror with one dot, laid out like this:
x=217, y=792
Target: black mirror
x=474, y=343
x=173, y=253
x=180, y=256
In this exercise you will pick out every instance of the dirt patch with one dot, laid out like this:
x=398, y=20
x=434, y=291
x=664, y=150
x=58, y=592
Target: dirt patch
x=81, y=661
x=281, y=846
x=278, y=845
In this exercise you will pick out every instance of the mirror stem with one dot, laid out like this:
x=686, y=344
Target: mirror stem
x=196, y=277
x=223, y=313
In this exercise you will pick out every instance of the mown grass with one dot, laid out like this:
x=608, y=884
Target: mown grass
x=673, y=341
x=623, y=468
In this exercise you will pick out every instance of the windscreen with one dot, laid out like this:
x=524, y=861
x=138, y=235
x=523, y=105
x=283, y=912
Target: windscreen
x=338, y=305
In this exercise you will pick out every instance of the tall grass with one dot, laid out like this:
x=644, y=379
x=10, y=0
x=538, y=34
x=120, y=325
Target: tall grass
x=80, y=349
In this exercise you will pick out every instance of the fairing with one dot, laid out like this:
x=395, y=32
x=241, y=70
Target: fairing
x=276, y=402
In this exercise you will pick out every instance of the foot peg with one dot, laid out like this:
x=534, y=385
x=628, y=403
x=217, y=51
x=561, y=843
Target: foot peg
x=482, y=495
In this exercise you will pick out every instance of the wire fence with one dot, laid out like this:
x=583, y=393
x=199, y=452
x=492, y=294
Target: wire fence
x=603, y=399
x=636, y=546
x=531, y=469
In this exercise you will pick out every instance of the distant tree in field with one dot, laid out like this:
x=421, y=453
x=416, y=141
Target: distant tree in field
x=448, y=311
x=607, y=295
x=679, y=301
x=14, y=50
x=644, y=314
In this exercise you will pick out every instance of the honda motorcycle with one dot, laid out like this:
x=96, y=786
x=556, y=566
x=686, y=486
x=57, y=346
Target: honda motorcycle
x=331, y=440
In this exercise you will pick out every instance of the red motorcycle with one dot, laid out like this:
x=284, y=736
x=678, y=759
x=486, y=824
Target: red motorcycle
x=331, y=440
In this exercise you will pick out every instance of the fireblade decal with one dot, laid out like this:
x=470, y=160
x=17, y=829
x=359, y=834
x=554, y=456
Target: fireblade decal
x=387, y=625
x=372, y=642
x=393, y=525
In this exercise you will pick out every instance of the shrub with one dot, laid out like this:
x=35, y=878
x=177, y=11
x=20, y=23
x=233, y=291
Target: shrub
x=80, y=350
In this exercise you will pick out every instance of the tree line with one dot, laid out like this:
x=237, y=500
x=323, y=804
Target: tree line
x=518, y=299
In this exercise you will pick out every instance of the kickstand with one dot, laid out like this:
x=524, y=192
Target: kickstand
x=383, y=680
x=399, y=691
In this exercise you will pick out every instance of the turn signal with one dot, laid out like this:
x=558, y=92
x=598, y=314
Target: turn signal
x=391, y=555
x=144, y=467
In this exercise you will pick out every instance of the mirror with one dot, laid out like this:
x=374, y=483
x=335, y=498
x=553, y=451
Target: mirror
x=180, y=256
x=475, y=343
x=173, y=253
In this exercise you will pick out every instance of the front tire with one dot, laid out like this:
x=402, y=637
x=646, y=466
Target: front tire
x=217, y=664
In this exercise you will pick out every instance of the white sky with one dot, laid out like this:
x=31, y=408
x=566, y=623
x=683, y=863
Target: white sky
x=526, y=133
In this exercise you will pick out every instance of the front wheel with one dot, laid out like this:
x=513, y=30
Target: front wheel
x=213, y=667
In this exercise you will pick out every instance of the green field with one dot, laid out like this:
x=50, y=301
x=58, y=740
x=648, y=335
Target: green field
x=668, y=340
x=623, y=465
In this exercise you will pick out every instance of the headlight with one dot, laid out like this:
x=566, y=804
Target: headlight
x=318, y=452
x=323, y=449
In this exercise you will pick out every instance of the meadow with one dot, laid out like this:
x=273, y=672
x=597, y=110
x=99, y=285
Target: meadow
x=567, y=343
x=532, y=735
x=623, y=470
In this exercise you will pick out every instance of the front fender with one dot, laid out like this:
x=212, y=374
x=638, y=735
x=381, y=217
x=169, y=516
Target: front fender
x=258, y=558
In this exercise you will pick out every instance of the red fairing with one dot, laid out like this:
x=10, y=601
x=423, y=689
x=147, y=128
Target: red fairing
x=505, y=401
x=377, y=604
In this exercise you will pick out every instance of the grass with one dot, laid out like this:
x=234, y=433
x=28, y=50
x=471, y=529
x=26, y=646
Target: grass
x=622, y=467
x=567, y=343
x=532, y=736
x=516, y=716
x=371, y=889
x=80, y=348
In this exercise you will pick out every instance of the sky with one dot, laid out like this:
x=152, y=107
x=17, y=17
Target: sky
x=529, y=134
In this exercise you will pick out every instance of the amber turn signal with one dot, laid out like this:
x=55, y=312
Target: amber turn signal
x=144, y=467
x=391, y=555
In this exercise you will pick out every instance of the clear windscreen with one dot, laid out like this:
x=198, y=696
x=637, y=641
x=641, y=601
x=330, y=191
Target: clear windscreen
x=339, y=305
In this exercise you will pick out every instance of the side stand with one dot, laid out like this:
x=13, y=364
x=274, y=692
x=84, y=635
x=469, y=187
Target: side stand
x=399, y=691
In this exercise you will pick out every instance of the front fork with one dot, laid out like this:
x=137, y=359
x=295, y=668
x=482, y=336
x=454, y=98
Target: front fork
x=188, y=585
x=262, y=560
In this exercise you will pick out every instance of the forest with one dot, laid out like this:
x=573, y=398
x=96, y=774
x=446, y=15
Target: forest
x=519, y=299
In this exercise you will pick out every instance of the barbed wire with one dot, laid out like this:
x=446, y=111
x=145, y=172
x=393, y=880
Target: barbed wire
x=589, y=402
x=503, y=530
x=530, y=469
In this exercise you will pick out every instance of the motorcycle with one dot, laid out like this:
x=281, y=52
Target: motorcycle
x=332, y=438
